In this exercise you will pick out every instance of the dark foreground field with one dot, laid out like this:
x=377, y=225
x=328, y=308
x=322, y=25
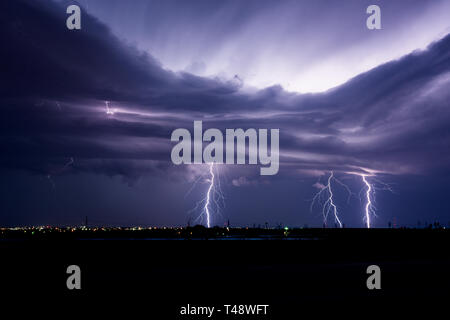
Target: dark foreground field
x=320, y=270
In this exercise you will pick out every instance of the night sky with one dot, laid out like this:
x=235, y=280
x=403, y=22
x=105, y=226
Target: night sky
x=346, y=99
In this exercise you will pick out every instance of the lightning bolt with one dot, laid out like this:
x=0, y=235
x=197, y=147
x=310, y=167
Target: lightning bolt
x=329, y=205
x=49, y=177
x=59, y=171
x=370, y=189
x=214, y=200
x=108, y=109
x=368, y=208
x=330, y=201
x=208, y=195
x=71, y=161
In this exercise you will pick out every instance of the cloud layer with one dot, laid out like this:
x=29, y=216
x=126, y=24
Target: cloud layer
x=391, y=119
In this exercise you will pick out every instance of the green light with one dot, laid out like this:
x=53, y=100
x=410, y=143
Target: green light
x=286, y=228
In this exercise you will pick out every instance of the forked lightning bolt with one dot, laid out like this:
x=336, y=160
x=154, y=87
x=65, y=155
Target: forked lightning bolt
x=370, y=188
x=329, y=205
x=208, y=195
x=213, y=202
x=368, y=208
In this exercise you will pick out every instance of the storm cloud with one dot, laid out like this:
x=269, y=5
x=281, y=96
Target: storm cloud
x=391, y=119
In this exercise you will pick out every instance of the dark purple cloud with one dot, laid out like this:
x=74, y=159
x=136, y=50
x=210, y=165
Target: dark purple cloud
x=391, y=119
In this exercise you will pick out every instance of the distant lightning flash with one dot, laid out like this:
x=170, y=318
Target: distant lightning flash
x=69, y=163
x=108, y=109
x=329, y=205
x=59, y=171
x=49, y=177
x=214, y=199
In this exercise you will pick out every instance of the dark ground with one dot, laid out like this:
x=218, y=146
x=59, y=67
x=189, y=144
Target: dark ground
x=156, y=278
